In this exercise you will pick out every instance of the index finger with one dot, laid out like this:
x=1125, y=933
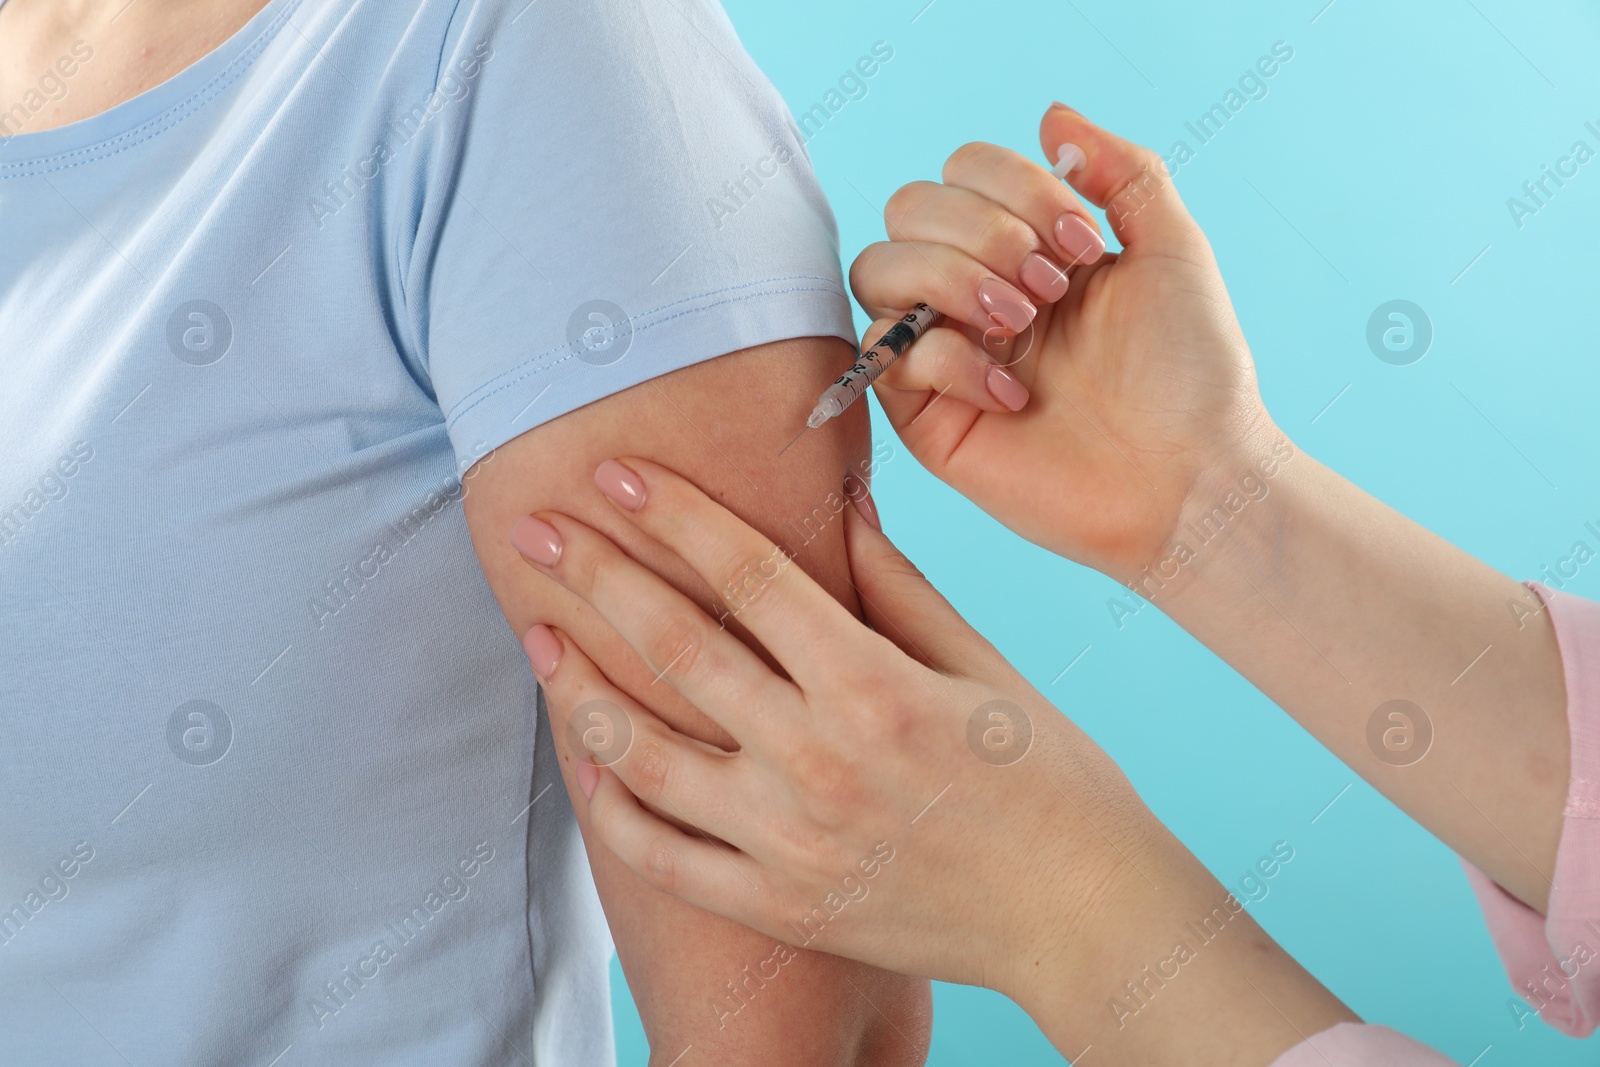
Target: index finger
x=794, y=618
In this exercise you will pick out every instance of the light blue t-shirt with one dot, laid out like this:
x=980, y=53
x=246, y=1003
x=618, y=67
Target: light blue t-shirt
x=269, y=780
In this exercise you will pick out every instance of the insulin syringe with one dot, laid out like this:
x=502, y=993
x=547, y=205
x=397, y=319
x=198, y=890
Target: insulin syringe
x=869, y=365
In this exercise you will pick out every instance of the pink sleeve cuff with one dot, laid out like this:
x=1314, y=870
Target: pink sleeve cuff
x=1553, y=960
x=1357, y=1045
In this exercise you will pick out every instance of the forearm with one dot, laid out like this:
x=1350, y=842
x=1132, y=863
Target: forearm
x=1334, y=605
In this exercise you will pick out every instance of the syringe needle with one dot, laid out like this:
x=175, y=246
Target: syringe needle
x=797, y=437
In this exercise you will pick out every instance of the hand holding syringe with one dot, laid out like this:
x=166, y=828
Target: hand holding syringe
x=870, y=365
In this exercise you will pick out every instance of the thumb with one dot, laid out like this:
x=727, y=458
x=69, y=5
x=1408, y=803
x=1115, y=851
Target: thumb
x=1130, y=182
x=900, y=603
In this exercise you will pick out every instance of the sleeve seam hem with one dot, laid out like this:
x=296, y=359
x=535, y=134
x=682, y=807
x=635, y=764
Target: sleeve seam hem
x=528, y=368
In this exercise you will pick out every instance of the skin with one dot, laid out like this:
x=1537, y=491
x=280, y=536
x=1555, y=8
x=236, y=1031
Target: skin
x=136, y=47
x=855, y=815
x=1142, y=419
x=676, y=957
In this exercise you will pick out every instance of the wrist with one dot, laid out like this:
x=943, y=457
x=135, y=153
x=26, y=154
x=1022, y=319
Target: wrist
x=1176, y=973
x=1231, y=511
x=1116, y=912
x=1073, y=900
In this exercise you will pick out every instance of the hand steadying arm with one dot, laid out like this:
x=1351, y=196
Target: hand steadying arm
x=719, y=421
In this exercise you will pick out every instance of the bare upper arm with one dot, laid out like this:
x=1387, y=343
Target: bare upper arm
x=721, y=423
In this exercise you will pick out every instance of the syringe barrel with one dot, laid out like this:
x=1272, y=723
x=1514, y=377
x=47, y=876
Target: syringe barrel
x=849, y=386
x=835, y=399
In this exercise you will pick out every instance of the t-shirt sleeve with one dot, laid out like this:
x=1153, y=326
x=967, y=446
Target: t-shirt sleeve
x=1553, y=960
x=1359, y=1045
x=607, y=190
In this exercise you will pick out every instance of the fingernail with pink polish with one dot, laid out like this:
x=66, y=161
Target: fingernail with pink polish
x=1078, y=239
x=1006, y=305
x=1006, y=389
x=861, y=497
x=537, y=540
x=588, y=778
x=619, y=483
x=1048, y=281
x=544, y=650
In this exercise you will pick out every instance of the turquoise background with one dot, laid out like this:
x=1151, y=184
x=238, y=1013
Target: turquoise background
x=1378, y=167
